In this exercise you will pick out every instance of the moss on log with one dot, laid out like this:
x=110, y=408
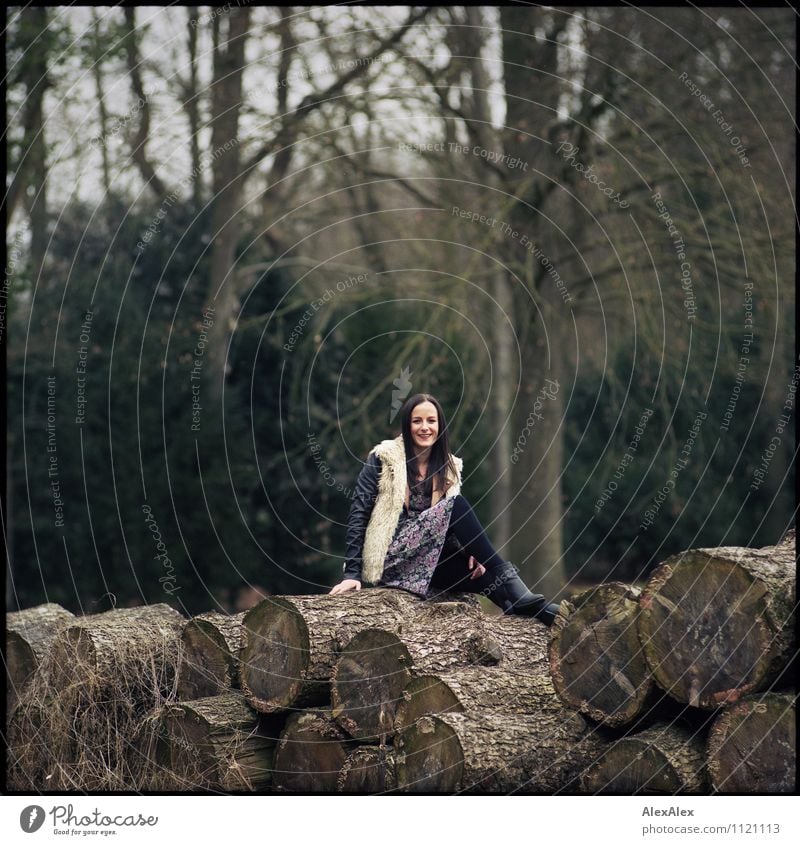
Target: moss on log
x=220, y=743
x=29, y=634
x=210, y=646
x=661, y=760
x=717, y=624
x=310, y=754
x=494, y=752
x=596, y=659
x=752, y=746
x=368, y=770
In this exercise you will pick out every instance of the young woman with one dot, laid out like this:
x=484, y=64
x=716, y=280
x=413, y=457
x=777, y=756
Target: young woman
x=410, y=527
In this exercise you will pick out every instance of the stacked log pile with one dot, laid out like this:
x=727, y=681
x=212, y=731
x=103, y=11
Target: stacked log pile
x=681, y=687
x=694, y=673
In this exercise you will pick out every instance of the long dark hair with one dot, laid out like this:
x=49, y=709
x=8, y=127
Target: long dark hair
x=441, y=459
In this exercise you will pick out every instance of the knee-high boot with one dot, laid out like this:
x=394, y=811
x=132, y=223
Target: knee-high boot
x=501, y=584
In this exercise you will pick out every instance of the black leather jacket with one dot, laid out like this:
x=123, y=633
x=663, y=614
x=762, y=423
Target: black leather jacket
x=364, y=497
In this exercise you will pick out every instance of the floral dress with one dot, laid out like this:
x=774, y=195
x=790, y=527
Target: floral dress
x=419, y=539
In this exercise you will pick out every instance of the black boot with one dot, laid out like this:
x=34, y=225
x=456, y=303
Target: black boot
x=508, y=592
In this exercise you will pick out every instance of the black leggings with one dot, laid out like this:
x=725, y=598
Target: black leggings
x=466, y=528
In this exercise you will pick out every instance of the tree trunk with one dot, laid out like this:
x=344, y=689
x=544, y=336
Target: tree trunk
x=374, y=667
x=29, y=634
x=752, y=746
x=474, y=690
x=369, y=770
x=531, y=62
x=220, y=743
x=662, y=760
x=717, y=624
x=131, y=648
x=502, y=402
x=290, y=643
x=209, y=655
x=227, y=187
x=310, y=754
x=494, y=752
x=596, y=659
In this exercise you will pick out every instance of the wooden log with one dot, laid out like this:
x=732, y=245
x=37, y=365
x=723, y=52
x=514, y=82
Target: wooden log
x=517, y=642
x=375, y=666
x=220, y=743
x=661, y=760
x=134, y=647
x=752, y=746
x=310, y=754
x=290, y=643
x=493, y=752
x=368, y=770
x=596, y=659
x=210, y=646
x=716, y=624
x=29, y=634
x=475, y=690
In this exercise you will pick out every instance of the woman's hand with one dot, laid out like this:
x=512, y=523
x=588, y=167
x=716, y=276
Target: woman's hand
x=347, y=584
x=479, y=568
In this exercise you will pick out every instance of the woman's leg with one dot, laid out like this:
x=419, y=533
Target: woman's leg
x=500, y=583
x=470, y=534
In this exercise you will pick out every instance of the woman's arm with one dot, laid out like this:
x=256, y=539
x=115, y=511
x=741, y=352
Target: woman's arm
x=366, y=492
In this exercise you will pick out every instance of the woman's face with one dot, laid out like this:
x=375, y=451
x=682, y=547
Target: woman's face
x=424, y=425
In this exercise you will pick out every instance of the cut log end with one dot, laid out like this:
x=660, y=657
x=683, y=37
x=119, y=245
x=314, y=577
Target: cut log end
x=369, y=770
x=705, y=631
x=368, y=682
x=429, y=757
x=596, y=661
x=275, y=655
x=310, y=754
x=423, y=695
x=752, y=746
x=208, y=665
x=658, y=761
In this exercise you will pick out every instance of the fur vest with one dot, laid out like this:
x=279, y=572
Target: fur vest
x=393, y=493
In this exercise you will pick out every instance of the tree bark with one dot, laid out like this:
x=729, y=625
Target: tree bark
x=29, y=634
x=227, y=187
x=532, y=62
x=474, y=690
x=220, y=743
x=494, y=752
x=662, y=760
x=369, y=770
x=310, y=754
x=290, y=644
x=135, y=648
x=752, y=746
x=717, y=624
x=518, y=642
x=210, y=646
x=375, y=666
x=596, y=659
